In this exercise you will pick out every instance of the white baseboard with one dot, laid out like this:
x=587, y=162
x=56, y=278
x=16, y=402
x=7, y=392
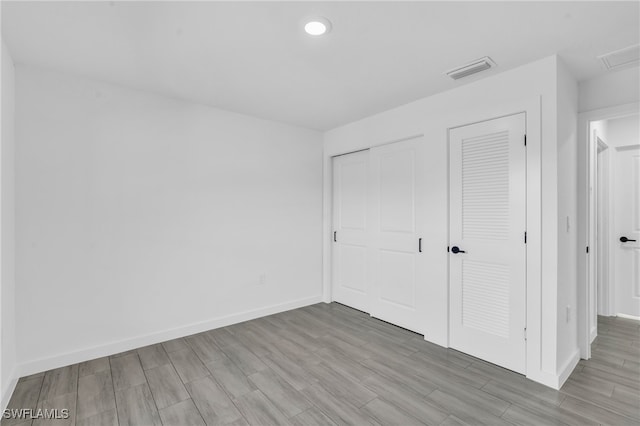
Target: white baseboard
x=43, y=364
x=8, y=390
x=555, y=381
x=628, y=317
x=568, y=368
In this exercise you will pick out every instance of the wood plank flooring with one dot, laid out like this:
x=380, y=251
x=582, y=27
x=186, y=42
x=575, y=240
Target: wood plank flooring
x=328, y=364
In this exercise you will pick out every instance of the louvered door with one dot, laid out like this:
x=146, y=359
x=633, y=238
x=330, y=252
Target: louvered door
x=487, y=241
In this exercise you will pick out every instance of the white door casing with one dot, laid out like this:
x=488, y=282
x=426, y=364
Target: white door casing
x=397, y=274
x=488, y=224
x=599, y=303
x=351, y=230
x=627, y=225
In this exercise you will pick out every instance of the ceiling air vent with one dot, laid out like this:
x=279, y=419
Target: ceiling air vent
x=471, y=68
x=626, y=57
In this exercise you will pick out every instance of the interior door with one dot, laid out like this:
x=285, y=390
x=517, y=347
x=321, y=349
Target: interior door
x=351, y=230
x=627, y=224
x=397, y=275
x=487, y=241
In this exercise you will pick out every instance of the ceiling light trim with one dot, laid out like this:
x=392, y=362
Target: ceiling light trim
x=317, y=26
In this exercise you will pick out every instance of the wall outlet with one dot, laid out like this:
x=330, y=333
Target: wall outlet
x=263, y=279
x=568, y=313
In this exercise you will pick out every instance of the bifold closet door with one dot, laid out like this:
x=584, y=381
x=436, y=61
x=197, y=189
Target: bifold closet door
x=487, y=226
x=398, y=183
x=351, y=237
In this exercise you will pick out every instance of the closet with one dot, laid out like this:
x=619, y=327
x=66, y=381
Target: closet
x=379, y=213
x=377, y=239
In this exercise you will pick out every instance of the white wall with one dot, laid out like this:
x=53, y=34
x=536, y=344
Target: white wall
x=623, y=131
x=611, y=89
x=600, y=127
x=531, y=88
x=7, y=232
x=567, y=351
x=141, y=218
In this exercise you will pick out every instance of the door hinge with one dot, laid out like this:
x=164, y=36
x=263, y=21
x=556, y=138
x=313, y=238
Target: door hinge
x=525, y=333
x=447, y=249
x=525, y=140
x=525, y=237
x=587, y=249
x=335, y=233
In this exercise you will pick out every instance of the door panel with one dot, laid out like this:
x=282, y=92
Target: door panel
x=486, y=289
x=350, y=249
x=397, y=188
x=353, y=197
x=353, y=262
x=627, y=224
x=487, y=223
x=397, y=271
x=397, y=191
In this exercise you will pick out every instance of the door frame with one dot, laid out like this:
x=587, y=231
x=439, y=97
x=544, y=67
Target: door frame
x=536, y=364
x=603, y=264
x=526, y=222
x=586, y=213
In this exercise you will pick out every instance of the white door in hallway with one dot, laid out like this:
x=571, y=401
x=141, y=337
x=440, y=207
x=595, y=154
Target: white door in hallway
x=398, y=278
x=487, y=258
x=627, y=236
x=351, y=230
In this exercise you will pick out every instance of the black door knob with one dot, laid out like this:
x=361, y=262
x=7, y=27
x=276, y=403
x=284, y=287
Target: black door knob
x=625, y=239
x=456, y=250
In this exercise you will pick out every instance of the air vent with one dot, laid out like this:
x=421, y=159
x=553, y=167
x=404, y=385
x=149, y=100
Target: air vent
x=471, y=68
x=622, y=58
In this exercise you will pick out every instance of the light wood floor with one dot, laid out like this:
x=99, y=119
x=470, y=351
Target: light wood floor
x=329, y=364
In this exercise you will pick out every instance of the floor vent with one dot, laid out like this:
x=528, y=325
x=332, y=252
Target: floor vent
x=471, y=68
x=627, y=57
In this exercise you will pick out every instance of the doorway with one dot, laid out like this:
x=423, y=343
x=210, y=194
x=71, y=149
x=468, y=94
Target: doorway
x=611, y=182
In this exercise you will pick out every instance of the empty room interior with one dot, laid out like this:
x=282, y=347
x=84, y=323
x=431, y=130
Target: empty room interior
x=320, y=213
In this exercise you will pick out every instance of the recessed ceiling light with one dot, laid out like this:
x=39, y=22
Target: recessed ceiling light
x=317, y=26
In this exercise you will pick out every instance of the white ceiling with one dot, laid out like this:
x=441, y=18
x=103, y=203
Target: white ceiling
x=255, y=59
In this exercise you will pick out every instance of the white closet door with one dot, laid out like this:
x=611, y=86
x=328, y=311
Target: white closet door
x=487, y=230
x=397, y=275
x=351, y=230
